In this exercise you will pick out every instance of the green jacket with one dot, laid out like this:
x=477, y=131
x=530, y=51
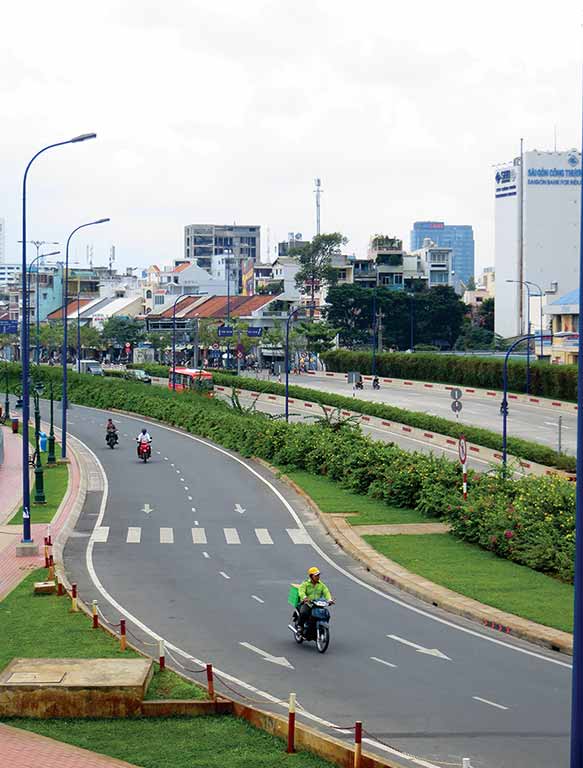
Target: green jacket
x=313, y=591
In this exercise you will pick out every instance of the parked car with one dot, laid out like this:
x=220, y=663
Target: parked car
x=137, y=374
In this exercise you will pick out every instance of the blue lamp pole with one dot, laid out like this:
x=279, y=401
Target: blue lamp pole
x=178, y=298
x=527, y=286
x=541, y=294
x=577, y=676
x=64, y=352
x=374, y=332
x=24, y=345
x=289, y=318
x=37, y=323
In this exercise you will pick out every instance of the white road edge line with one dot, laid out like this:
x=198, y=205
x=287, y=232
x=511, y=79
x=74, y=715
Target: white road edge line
x=491, y=703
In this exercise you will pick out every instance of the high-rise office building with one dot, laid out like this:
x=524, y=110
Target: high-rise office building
x=458, y=237
x=203, y=241
x=536, y=234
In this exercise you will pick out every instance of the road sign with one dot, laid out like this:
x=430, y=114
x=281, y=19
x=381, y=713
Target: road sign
x=8, y=326
x=225, y=330
x=240, y=354
x=456, y=394
x=215, y=345
x=254, y=331
x=456, y=406
x=463, y=449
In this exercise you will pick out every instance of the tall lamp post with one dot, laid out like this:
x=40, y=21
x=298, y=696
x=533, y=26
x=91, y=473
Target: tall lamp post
x=51, y=458
x=178, y=298
x=374, y=332
x=39, y=481
x=64, y=353
x=289, y=318
x=37, y=299
x=527, y=286
x=504, y=405
x=577, y=675
x=541, y=295
x=228, y=256
x=24, y=345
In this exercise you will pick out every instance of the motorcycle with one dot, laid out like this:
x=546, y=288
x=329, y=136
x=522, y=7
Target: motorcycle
x=144, y=451
x=318, y=628
x=358, y=384
x=111, y=438
x=375, y=384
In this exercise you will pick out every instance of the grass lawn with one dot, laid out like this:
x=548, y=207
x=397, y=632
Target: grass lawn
x=479, y=574
x=197, y=742
x=331, y=497
x=55, y=482
x=42, y=626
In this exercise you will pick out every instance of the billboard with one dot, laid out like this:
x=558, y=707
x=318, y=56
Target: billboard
x=248, y=277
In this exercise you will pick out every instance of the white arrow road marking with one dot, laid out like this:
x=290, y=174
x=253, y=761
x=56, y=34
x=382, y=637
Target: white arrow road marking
x=281, y=660
x=239, y=509
x=147, y=509
x=420, y=648
x=382, y=661
x=259, y=600
x=491, y=703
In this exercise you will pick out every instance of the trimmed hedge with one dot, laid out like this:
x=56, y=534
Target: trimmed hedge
x=530, y=521
x=523, y=449
x=555, y=381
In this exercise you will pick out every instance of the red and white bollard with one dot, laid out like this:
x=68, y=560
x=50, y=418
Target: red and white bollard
x=357, y=744
x=60, y=588
x=210, y=681
x=95, y=614
x=291, y=724
x=46, y=552
x=465, y=480
x=161, y=655
x=74, y=606
x=51, y=568
x=49, y=539
x=122, y=635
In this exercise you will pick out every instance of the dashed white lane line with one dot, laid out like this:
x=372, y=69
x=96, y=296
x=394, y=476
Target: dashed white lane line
x=166, y=536
x=196, y=522
x=165, y=458
x=231, y=536
x=259, y=600
x=193, y=509
x=190, y=498
x=491, y=703
x=298, y=535
x=382, y=661
x=158, y=452
x=101, y=534
x=185, y=487
x=134, y=535
x=172, y=464
x=224, y=575
x=206, y=554
x=263, y=536
x=181, y=479
x=199, y=536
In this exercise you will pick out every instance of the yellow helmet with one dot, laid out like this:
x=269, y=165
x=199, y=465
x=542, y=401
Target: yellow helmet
x=313, y=571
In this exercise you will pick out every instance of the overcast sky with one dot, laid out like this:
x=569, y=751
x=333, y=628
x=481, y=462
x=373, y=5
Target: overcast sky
x=220, y=111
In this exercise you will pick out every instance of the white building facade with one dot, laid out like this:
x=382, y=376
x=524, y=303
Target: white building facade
x=537, y=223
x=2, y=240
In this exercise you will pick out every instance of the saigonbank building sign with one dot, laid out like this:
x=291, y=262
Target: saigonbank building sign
x=567, y=175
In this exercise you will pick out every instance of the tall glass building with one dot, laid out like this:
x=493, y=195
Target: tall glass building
x=458, y=237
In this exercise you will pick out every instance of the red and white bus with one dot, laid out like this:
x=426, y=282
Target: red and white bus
x=191, y=379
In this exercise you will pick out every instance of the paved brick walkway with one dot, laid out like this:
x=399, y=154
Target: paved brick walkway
x=10, y=489
x=23, y=749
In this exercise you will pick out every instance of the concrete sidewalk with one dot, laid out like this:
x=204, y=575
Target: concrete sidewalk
x=23, y=749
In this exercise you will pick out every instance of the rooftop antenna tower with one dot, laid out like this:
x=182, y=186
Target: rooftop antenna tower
x=111, y=258
x=318, y=192
x=89, y=255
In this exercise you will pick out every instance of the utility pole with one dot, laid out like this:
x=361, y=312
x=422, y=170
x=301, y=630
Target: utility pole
x=318, y=192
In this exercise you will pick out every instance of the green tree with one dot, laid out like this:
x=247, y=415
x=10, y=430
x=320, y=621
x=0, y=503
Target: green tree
x=316, y=262
x=439, y=316
x=319, y=337
x=349, y=308
x=486, y=314
x=118, y=331
x=159, y=340
x=51, y=336
x=90, y=337
x=471, y=284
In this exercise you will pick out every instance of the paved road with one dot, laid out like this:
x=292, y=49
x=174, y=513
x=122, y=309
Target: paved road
x=530, y=422
x=175, y=550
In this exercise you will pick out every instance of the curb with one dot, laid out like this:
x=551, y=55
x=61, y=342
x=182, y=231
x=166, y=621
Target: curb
x=440, y=597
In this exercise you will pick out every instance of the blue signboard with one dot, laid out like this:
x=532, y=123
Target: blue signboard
x=226, y=330
x=254, y=331
x=8, y=326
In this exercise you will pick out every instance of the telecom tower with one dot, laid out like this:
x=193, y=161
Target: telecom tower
x=318, y=192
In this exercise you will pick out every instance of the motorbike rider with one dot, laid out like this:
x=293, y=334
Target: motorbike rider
x=143, y=437
x=110, y=428
x=311, y=589
x=375, y=383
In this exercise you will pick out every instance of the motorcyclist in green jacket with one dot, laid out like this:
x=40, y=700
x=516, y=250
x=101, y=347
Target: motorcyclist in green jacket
x=311, y=589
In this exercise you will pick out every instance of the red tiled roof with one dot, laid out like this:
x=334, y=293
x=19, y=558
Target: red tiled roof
x=216, y=307
x=181, y=267
x=71, y=308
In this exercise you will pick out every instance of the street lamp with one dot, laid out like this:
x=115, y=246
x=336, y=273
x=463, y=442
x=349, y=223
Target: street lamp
x=37, y=299
x=64, y=354
x=51, y=458
x=228, y=255
x=39, y=482
x=24, y=343
x=527, y=286
x=541, y=294
x=178, y=298
x=289, y=318
x=374, y=331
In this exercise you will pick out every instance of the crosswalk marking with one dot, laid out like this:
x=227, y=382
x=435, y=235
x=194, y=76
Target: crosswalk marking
x=263, y=536
x=198, y=536
x=298, y=535
x=134, y=535
x=101, y=534
x=166, y=536
x=231, y=536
